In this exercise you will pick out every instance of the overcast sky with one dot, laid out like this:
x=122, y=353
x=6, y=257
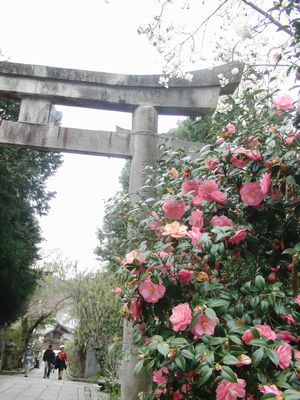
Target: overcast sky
x=94, y=35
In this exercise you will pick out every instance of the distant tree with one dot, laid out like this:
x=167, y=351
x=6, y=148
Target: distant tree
x=113, y=234
x=49, y=297
x=23, y=196
x=96, y=310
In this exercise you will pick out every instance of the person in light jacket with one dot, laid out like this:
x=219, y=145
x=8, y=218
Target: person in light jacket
x=28, y=359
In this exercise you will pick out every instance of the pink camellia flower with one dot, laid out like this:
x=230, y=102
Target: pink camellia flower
x=136, y=309
x=297, y=354
x=212, y=163
x=230, y=129
x=220, y=197
x=196, y=201
x=272, y=277
x=283, y=102
x=181, y=317
x=251, y=193
x=206, y=188
x=118, y=291
x=175, y=230
x=134, y=257
x=196, y=219
x=287, y=336
x=271, y=389
x=297, y=299
x=220, y=140
x=174, y=208
x=250, y=397
x=189, y=187
x=290, y=139
x=243, y=360
x=285, y=355
x=195, y=235
x=176, y=395
x=247, y=336
x=150, y=291
x=204, y=326
x=184, y=275
x=266, y=331
x=160, y=376
x=265, y=182
x=238, y=237
x=157, y=228
x=209, y=191
x=238, y=162
x=289, y=318
x=221, y=220
x=254, y=155
x=231, y=390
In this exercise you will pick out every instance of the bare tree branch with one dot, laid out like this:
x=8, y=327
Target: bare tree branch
x=269, y=17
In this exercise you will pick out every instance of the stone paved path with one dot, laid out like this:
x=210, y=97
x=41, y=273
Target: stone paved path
x=17, y=387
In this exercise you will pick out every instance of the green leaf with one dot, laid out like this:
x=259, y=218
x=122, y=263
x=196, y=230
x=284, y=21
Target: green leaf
x=260, y=282
x=138, y=367
x=187, y=354
x=230, y=360
x=269, y=396
x=257, y=356
x=219, y=331
x=228, y=374
x=209, y=312
x=180, y=362
x=177, y=341
x=219, y=303
x=289, y=251
x=273, y=356
x=235, y=339
x=205, y=375
x=258, y=342
x=163, y=348
x=291, y=394
x=216, y=341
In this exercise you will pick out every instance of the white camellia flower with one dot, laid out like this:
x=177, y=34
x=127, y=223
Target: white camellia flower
x=234, y=71
x=188, y=77
x=243, y=29
x=164, y=80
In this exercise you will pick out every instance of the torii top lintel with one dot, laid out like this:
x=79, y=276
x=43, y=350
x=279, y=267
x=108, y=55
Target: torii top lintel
x=118, y=92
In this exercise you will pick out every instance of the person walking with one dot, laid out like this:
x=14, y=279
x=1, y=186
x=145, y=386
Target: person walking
x=28, y=359
x=49, y=358
x=61, y=362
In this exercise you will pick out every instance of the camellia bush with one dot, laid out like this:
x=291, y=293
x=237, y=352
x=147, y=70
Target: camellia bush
x=212, y=287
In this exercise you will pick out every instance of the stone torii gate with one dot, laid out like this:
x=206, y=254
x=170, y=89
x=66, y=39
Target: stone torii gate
x=41, y=87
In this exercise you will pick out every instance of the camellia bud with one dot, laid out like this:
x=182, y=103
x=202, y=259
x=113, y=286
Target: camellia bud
x=187, y=173
x=226, y=344
x=199, y=309
x=172, y=353
x=290, y=267
x=218, y=367
x=202, y=276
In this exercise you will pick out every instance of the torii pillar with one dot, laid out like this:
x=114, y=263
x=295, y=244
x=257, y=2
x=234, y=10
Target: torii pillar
x=40, y=87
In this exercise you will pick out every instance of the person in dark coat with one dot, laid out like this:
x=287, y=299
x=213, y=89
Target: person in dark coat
x=49, y=358
x=61, y=361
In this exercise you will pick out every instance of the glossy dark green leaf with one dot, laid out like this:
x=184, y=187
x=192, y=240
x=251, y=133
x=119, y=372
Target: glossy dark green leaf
x=228, y=374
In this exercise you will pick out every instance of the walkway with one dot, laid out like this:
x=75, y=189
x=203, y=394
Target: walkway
x=17, y=387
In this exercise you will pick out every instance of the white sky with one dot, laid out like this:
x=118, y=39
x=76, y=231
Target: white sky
x=90, y=35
